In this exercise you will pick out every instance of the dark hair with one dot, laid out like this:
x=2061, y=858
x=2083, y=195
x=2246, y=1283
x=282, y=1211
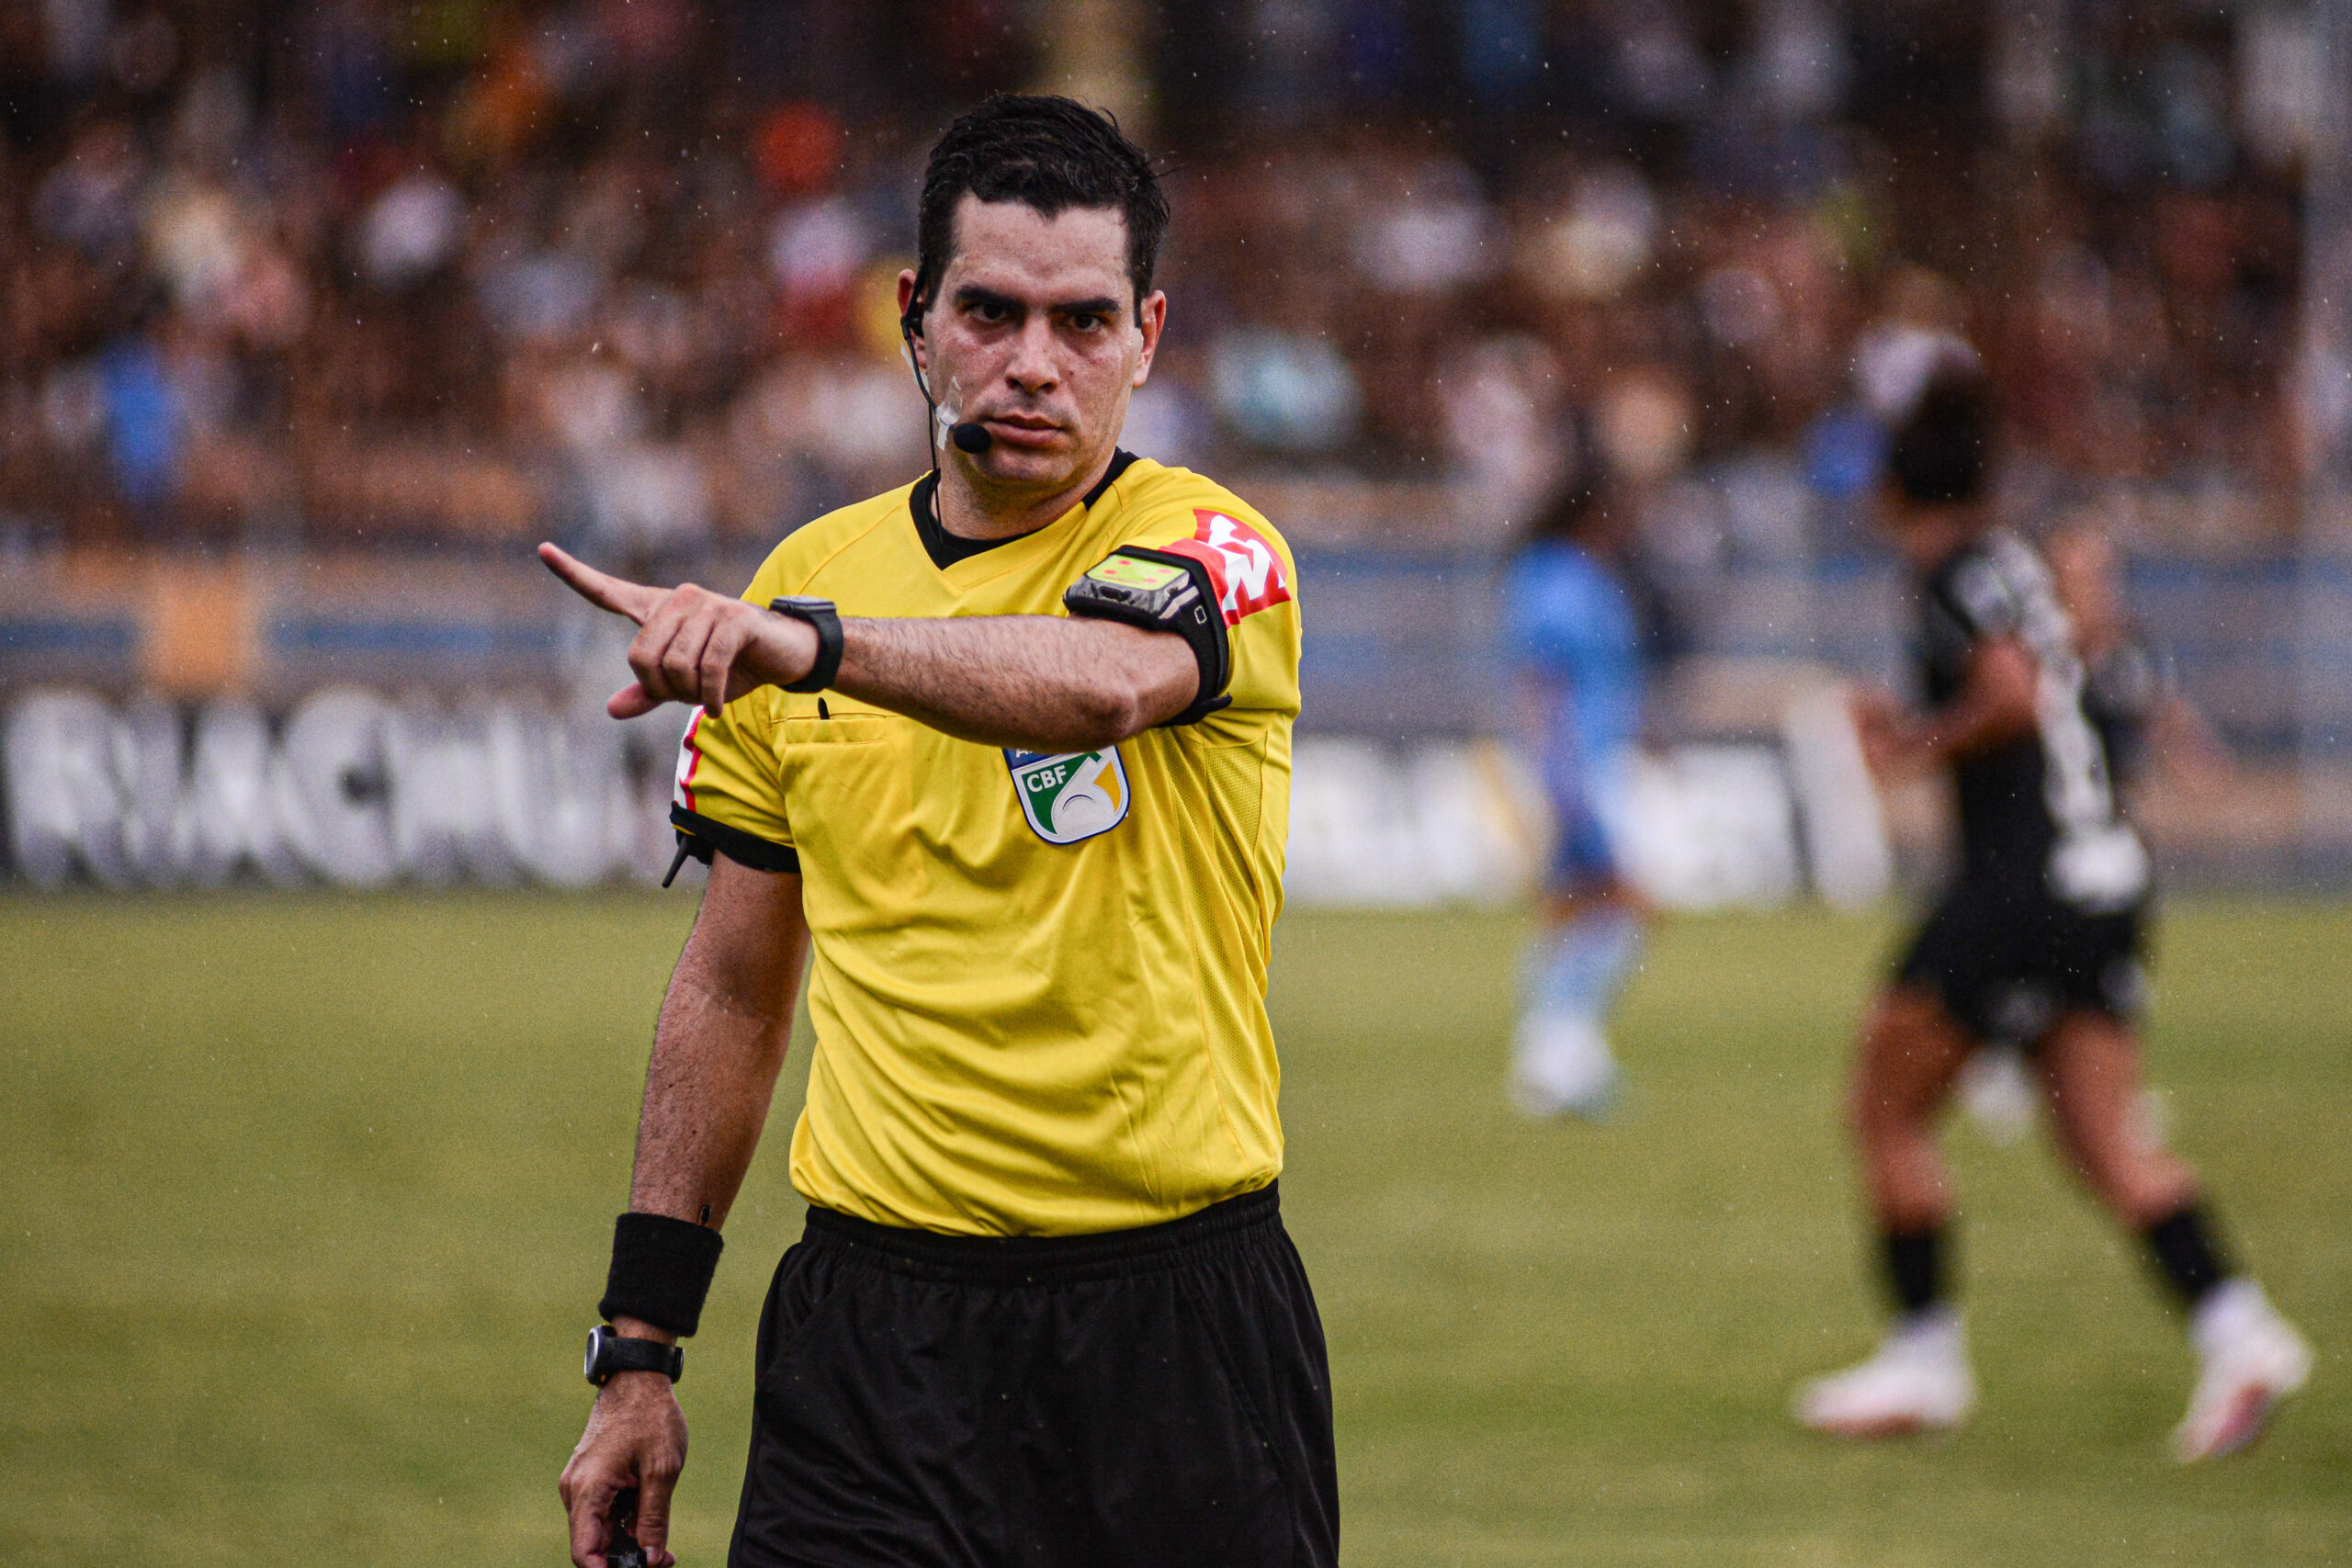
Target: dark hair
x=1939, y=452
x=1049, y=153
x=1575, y=503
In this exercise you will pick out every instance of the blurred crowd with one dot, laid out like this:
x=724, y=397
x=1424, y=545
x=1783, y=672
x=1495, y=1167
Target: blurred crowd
x=357, y=272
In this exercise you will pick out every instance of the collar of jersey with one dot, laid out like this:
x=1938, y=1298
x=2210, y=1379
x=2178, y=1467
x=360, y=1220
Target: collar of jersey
x=923, y=515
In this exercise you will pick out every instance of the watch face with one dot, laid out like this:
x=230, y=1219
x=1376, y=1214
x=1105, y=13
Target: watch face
x=595, y=1343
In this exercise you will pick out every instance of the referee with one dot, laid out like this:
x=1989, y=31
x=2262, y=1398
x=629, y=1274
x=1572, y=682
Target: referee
x=1004, y=757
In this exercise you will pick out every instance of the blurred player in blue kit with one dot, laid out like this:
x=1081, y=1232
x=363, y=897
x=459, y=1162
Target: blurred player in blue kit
x=1574, y=630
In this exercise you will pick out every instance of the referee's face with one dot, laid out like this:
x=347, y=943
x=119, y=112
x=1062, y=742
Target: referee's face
x=1036, y=333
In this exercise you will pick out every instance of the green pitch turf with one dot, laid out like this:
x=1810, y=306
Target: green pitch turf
x=304, y=1204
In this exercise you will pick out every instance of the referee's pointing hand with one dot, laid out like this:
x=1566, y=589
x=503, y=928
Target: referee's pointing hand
x=693, y=645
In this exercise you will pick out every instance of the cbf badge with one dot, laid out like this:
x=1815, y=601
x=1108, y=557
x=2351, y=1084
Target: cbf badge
x=1071, y=796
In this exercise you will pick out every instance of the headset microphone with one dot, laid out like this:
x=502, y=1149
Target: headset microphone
x=970, y=437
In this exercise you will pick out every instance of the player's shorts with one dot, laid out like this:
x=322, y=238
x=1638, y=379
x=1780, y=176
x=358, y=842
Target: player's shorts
x=2005, y=964
x=1582, y=855
x=1131, y=1400
x=1584, y=807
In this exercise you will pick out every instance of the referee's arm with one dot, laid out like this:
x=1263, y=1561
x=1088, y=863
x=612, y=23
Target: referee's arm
x=717, y=1051
x=1038, y=682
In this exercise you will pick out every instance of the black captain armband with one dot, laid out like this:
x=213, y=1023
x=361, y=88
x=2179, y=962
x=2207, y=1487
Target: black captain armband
x=1163, y=592
x=661, y=1270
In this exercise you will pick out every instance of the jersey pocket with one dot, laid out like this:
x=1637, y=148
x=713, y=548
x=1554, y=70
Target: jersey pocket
x=848, y=786
x=837, y=729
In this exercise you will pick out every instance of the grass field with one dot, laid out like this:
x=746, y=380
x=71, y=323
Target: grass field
x=306, y=1202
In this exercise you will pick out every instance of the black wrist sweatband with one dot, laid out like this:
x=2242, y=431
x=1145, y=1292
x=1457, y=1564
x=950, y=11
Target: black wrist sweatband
x=661, y=1271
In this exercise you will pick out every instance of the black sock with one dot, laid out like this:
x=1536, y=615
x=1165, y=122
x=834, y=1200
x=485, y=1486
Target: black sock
x=1915, y=1268
x=2191, y=1260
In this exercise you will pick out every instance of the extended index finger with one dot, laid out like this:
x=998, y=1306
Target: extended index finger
x=602, y=589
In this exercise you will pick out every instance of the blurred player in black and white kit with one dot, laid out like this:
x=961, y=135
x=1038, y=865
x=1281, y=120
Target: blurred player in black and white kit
x=2038, y=940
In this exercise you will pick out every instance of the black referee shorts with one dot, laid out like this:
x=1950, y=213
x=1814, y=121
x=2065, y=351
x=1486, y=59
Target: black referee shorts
x=2007, y=961
x=1131, y=1400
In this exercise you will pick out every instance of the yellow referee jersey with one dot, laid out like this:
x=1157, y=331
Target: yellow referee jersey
x=1039, y=982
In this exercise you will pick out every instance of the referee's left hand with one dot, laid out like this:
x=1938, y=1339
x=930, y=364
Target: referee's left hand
x=636, y=1439
x=693, y=645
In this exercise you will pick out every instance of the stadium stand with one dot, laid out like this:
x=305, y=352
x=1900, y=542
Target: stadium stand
x=312, y=319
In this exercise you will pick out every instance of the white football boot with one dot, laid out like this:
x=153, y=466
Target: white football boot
x=1918, y=1381
x=2251, y=1357
x=1561, y=1065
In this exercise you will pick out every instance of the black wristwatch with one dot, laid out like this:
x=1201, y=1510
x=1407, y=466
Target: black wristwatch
x=820, y=614
x=610, y=1351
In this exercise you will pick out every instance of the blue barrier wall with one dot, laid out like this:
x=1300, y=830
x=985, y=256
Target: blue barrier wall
x=1400, y=642
x=1403, y=642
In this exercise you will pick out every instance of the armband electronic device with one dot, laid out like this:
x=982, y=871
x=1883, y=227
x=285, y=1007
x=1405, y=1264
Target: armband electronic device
x=1163, y=592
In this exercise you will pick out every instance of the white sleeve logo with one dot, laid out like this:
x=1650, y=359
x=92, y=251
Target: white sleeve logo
x=1246, y=571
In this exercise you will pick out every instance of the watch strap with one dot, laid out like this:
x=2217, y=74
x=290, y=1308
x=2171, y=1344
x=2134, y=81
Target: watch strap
x=610, y=1352
x=820, y=614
